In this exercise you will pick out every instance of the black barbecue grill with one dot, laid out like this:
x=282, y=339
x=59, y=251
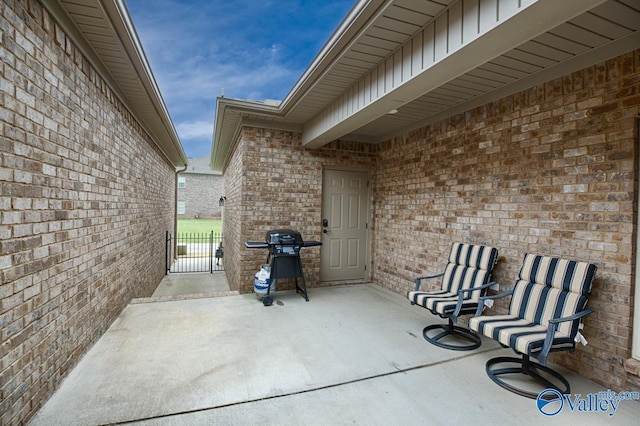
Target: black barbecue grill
x=284, y=255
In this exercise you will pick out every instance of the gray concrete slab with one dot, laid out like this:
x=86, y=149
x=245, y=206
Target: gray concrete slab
x=352, y=354
x=175, y=286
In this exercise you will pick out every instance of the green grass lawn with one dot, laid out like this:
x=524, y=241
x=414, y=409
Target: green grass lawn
x=199, y=226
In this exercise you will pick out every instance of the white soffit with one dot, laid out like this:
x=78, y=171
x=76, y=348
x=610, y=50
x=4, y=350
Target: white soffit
x=603, y=32
x=432, y=59
x=232, y=114
x=469, y=34
x=103, y=31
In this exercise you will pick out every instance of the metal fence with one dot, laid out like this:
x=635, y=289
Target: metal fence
x=194, y=252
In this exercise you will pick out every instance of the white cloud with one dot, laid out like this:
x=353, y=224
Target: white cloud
x=195, y=129
x=197, y=48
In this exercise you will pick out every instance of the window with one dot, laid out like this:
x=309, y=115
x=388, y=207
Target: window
x=182, y=182
x=182, y=208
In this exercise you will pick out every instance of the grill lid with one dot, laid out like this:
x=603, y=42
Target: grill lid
x=284, y=237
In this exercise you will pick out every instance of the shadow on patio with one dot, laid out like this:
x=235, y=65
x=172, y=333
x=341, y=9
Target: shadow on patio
x=352, y=354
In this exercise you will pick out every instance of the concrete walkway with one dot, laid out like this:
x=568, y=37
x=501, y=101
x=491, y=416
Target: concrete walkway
x=351, y=355
x=189, y=285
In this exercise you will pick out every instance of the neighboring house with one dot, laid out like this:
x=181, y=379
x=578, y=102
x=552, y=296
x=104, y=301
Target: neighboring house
x=88, y=158
x=511, y=124
x=199, y=190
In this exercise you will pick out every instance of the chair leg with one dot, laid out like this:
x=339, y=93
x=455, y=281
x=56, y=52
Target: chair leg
x=524, y=366
x=455, y=332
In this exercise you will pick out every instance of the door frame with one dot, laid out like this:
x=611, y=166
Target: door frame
x=367, y=242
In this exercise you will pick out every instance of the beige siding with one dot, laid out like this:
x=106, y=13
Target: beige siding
x=447, y=34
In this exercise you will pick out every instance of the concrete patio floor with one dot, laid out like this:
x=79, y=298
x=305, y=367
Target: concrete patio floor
x=351, y=355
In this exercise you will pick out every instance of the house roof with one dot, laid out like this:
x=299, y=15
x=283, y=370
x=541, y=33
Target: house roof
x=199, y=166
x=397, y=65
x=104, y=33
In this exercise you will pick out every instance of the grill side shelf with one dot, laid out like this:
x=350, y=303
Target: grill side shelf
x=256, y=245
x=311, y=243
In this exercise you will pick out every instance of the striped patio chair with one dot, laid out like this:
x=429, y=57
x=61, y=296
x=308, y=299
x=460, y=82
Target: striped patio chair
x=465, y=278
x=547, y=304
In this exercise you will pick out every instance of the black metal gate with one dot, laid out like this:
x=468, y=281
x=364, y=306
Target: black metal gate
x=194, y=252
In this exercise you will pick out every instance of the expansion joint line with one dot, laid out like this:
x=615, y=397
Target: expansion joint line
x=304, y=391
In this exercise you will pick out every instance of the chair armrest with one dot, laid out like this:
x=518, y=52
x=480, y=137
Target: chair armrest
x=461, y=293
x=551, y=331
x=509, y=292
x=572, y=317
x=481, y=287
x=417, y=287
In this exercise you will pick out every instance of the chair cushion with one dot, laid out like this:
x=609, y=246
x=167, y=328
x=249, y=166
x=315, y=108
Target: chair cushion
x=565, y=275
x=521, y=335
x=546, y=288
x=469, y=267
x=479, y=257
x=442, y=302
x=538, y=304
x=457, y=277
x=551, y=288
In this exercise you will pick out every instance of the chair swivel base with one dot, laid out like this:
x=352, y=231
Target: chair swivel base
x=524, y=366
x=455, y=333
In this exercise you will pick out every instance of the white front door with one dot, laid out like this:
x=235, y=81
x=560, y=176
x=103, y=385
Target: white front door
x=345, y=211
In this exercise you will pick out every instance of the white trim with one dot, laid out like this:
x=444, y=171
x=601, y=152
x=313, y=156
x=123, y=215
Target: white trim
x=594, y=56
x=182, y=182
x=443, y=61
x=181, y=207
x=635, y=342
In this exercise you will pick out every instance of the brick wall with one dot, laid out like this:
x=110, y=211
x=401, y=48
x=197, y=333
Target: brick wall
x=550, y=170
x=232, y=217
x=85, y=199
x=201, y=195
x=272, y=182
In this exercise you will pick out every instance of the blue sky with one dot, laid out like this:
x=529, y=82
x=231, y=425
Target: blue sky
x=251, y=49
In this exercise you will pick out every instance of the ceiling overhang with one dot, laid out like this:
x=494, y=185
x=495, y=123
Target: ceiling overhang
x=431, y=59
x=104, y=33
